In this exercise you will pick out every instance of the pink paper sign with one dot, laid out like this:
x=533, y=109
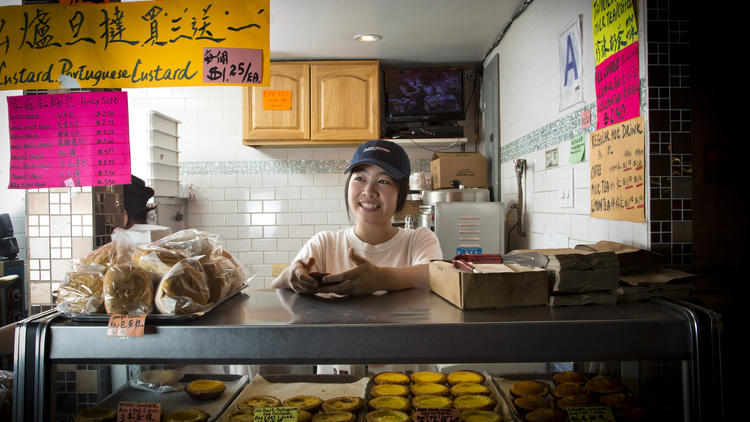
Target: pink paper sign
x=65, y=140
x=232, y=65
x=618, y=95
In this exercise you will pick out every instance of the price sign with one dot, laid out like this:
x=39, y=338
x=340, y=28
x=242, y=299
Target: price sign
x=275, y=414
x=126, y=325
x=590, y=414
x=232, y=65
x=129, y=411
x=437, y=415
x=617, y=84
x=277, y=99
x=65, y=140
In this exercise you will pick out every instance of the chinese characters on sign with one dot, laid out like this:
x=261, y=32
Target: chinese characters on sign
x=120, y=325
x=617, y=155
x=615, y=27
x=133, y=44
x=128, y=411
x=64, y=140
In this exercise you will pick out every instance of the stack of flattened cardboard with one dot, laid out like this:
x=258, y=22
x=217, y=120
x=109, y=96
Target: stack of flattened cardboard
x=579, y=277
x=642, y=275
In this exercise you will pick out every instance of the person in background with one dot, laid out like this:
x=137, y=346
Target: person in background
x=373, y=255
x=136, y=196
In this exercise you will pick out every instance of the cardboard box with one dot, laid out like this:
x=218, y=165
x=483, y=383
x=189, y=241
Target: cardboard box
x=514, y=286
x=470, y=168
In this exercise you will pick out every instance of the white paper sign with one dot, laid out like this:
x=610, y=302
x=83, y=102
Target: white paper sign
x=571, y=64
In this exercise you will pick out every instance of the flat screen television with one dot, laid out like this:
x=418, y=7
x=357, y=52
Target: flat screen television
x=424, y=95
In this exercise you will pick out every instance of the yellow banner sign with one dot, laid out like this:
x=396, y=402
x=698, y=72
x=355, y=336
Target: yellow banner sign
x=615, y=27
x=617, y=157
x=134, y=44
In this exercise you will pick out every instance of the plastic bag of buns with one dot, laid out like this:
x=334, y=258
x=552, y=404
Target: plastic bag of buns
x=157, y=260
x=189, y=242
x=223, y=273
x=183, y=289
x=81, y=291
x=127, y=289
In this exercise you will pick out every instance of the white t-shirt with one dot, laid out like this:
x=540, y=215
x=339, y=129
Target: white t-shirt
x=408, y=247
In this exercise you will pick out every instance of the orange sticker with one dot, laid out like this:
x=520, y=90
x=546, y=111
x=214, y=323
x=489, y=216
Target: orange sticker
x=126, y=325
x=277, y=99
x=130, y=411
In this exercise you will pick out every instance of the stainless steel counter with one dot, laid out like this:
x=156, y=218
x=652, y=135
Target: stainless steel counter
x=410, y=326
x=281, y=327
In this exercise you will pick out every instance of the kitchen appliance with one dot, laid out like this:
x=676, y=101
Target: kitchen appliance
x=459, y=194
x=469, y=228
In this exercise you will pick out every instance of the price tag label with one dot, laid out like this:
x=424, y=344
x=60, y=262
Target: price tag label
x=275, y=414
x=238, y=66
x=590, y=414
x=129, y=411
x=277, y=99
x=437, y=415
x=126, y=325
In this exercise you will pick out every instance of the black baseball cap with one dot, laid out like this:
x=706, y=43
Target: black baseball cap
x=384, y=154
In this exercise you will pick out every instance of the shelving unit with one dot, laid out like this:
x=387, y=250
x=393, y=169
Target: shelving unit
x=411, y=326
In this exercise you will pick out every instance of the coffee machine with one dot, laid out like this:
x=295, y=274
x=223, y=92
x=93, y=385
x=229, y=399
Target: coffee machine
x=12, y=280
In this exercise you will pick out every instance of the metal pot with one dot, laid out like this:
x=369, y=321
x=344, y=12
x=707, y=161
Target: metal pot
x=425, y=216
x=430, y=197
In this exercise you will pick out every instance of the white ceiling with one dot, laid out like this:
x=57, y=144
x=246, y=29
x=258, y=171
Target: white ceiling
x=453, y=32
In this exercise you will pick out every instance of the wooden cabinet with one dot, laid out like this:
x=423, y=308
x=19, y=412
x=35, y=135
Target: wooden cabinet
x=332, y=102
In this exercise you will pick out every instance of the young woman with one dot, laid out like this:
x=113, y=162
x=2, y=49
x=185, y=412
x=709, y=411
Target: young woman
x=372, y=255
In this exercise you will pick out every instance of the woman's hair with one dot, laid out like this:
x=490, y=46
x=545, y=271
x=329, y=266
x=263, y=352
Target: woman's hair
x=136, y=196
x=403, y=191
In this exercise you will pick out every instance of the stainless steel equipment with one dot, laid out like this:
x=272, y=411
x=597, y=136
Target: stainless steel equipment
x=469, y=227
x=431, y=197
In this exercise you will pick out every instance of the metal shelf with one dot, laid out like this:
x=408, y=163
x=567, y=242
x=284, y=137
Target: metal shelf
x=410, y=326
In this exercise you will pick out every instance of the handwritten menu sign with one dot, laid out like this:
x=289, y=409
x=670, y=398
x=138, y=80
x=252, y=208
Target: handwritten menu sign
x=128, y=411
x=437, y=415
x=232, y=66
x=617, y=84
x=277, y=99
x=614, y=27
x=590, y=414
x=121, y=325
x=132, y=44
x=275, y=414
x=78, y=139
x=617, y=156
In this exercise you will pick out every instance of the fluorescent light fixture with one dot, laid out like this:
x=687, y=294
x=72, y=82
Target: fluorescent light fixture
x=368, y=37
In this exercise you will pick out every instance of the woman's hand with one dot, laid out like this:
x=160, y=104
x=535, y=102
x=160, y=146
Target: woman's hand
x=363, y=279
x=300, y=280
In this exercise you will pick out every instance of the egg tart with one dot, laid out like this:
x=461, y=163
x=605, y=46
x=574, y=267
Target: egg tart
x=96, y=414
x=476, y=415
x=526, y=387
x=255, y=402
x=423, y=388
x=389, y=390
x=428, y=376
x=576, y=400
x=390, y=402
x=245, y=415
x=526, y=404
x=458, y=377
x=568, y=389
x=203, y=389
x=617, y=400
x=474, y=401
x=309, y=403
x=431, y=402
x=347, y=404
x=334, y=416
x=602, y=385
x=186, y=415
x=468, y=388
x=546, y=415
x=391, y=378
x=569, y=376
x=387, y=415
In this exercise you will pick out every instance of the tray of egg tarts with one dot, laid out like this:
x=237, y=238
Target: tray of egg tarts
x=433, y=396
x=550, y=398
x=317, y=398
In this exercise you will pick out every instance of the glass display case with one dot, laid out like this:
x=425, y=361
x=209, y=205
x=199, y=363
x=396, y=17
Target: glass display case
x=667, y=352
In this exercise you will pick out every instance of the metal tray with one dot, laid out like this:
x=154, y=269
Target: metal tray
x=178, y=400
x=161, y=318
x=311, y=379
